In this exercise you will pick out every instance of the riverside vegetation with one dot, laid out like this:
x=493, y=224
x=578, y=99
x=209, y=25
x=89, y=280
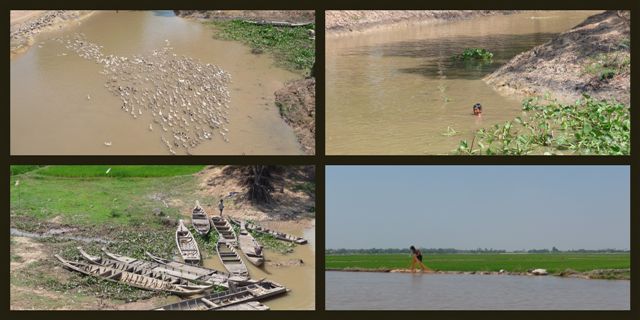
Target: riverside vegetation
x=555, y=263
x=585, y=127
x=292, y=47
x=127, y=209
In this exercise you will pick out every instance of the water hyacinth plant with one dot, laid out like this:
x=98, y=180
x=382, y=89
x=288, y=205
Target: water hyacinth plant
x=474, y=54
x=586, y=127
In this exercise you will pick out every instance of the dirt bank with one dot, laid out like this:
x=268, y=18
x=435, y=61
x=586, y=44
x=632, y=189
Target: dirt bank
x=346, y=21
x=26, y=24
x=296, y=100
x=297, y=105
x=293, y=194
x=592, y=58
x=293, y=16
x=609, y=274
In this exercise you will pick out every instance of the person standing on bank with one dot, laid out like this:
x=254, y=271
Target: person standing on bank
x=221, y=207
x=416, y=257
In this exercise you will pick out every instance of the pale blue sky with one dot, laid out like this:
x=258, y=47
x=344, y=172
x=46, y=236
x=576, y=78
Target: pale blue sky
x=467, y=207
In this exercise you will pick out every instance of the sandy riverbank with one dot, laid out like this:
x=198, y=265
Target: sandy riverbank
x=344, y=22
x=297, y=105
x=592, y=58
x=293, y=16
x=26, y=24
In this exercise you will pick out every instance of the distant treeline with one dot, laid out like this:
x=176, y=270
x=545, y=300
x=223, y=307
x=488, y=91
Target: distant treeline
x=452, y=250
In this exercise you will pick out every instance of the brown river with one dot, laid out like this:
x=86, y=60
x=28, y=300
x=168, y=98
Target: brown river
x=299, y=279
x=397, y=91
x=51, y=114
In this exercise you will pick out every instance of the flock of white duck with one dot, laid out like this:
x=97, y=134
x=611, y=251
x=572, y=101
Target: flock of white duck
x=187, y=100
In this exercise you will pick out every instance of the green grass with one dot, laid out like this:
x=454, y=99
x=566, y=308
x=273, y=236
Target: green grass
x=118, y=171
x=485, y=262
x=586, y=127
x=83, y=200
x=291, y=46
x=605, y=66
x=20, y=169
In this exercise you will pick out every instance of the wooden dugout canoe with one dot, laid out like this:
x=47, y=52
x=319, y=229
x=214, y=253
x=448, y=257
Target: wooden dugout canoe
x=129, y=278
x=278, y=235
x=250, y=247
x=231, y=260
x=225, y=230
x=225, y=299
x=200, y=220
x=187, y=244
x=143, y=268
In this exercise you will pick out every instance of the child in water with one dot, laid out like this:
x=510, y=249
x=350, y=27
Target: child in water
x=477, y=109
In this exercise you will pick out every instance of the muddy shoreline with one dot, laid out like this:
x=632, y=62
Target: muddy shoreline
x=38, y=281
x=574, y=63
x=615, y=274
x=293, y=16
x=296, y=100
x=24, y=29
x=346, y=22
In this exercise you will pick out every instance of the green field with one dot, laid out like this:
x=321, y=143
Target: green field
x=77, y=195
x=118, y=171
x=553, y=262
x=22, y=169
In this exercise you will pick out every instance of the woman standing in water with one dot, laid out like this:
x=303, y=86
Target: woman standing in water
x=416, y=257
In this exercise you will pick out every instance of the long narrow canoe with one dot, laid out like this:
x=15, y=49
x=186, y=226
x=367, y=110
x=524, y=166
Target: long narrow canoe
x=225, y=230
x=231, y=260
x=200, y=220
x=201, y=273
x=228, y=298
x=278, y=235
x=247, y=306
x=142, y=269
x=250, y=247
x=187, y=244
x=129, y=278
x=175, y=268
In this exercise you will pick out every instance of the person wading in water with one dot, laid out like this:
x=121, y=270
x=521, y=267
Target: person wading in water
x=221, y=207
x=416, y=257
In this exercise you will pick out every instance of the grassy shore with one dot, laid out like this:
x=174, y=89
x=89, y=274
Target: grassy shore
x=127, y=207
x=129, y=210
x=292, y=47
x=554, y=263
x=75, y=195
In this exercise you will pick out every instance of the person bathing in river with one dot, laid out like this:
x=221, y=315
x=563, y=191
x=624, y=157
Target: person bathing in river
x=416, y=257
x=477, y=109
x=221, y=207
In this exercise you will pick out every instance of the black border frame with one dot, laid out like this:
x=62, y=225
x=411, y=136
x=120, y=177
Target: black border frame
x=319, y=159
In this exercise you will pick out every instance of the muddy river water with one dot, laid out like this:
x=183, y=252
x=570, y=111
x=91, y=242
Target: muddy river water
x=299, y=279
x=397, y=91
x=50, y=112
x=396, y=291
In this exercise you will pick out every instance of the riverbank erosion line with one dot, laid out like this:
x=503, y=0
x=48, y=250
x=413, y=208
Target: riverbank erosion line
x=26, y=24
x=593, y=58
x=349, y=21
x=608, y=274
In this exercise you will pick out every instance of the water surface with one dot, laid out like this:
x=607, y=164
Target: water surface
x=398, y=291
x=397, y=90
x=299, y=279
x=50, y=113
